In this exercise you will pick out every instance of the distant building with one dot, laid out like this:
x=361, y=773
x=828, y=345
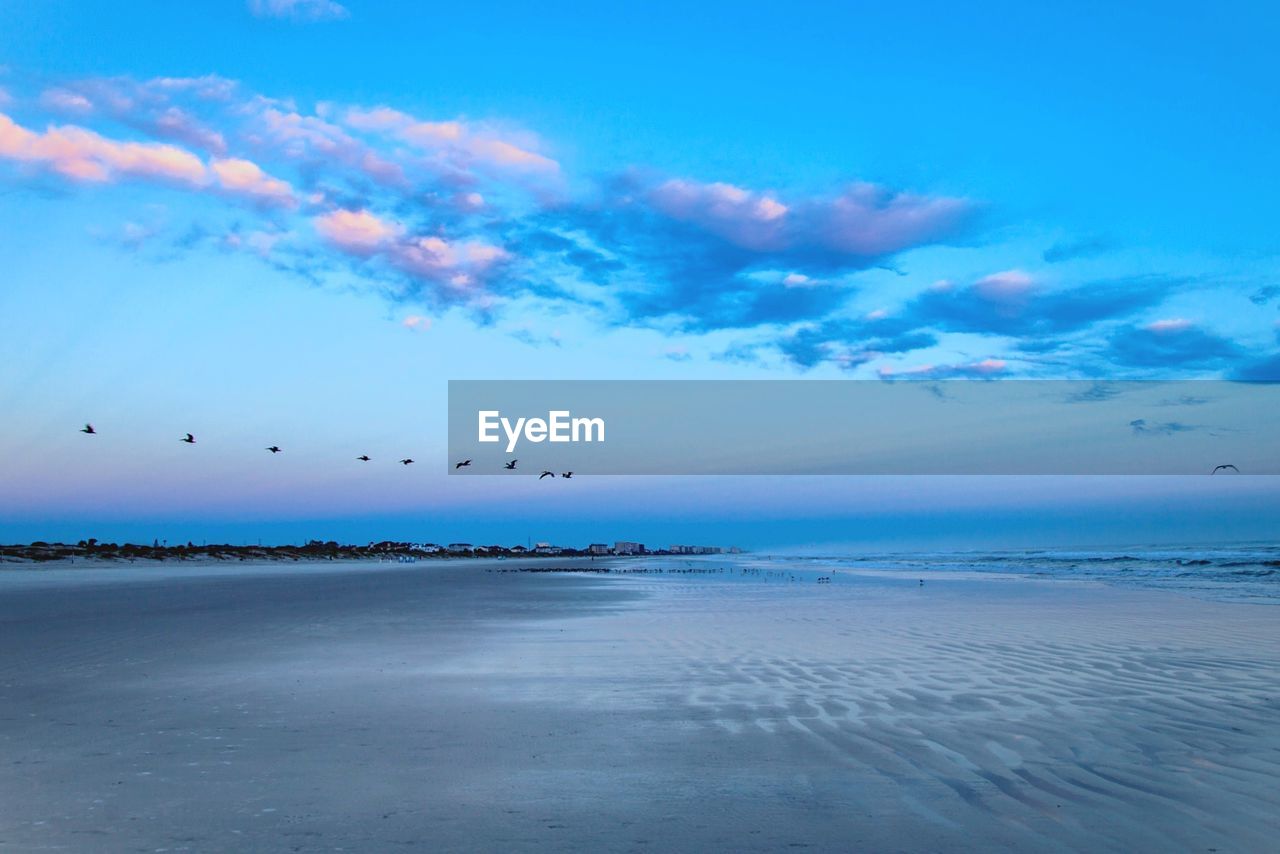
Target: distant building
x=598, y=549
x=459, y=548
x=625, y=547
x=696, y=550
x=547, y=549
x=519, y=550
x=429, y=548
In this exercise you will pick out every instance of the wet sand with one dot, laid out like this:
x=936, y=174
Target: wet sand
x=445, y=707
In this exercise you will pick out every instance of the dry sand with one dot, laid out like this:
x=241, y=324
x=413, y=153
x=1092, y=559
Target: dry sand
x=443, y=707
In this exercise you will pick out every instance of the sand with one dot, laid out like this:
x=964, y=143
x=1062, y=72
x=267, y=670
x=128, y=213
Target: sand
x=446, y=707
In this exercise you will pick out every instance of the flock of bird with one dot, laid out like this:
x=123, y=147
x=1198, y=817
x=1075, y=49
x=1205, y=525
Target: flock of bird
x=189, y=439
x=509, y=466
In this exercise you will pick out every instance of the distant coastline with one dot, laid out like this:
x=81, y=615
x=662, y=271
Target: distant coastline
x=92, y=550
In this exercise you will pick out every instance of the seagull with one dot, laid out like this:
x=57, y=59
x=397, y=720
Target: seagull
x=545, y=473
x=1217, y=469
x=511, y=466
x=364, y=458
x=190, y=440
x=406, y=461
x=88, y=428
x=461, y=464
x=566, y=475
x=275, y=449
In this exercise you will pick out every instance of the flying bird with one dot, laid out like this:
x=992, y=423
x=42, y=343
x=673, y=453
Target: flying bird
x=1217, y=469
x=545, y=473
x=566, y=475
x=88, y=428
x=190, y=440
x=461, y=464
x=364, y=458
x=275, y=449
x=406, y=461
x=511, y=466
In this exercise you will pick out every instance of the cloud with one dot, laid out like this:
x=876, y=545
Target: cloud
x=299, y=10
x=359, y=232
x=247, y=178
x=1142, y=427
x=83, y=155
x=456, y=144
x=65, y=101
x=1070, y=250
x=416, y=322
x=849, y=343
x=454, y=269
x=1013, y=304
x=865, y=221
x=694, y=255
x=300, y=137
x=1173, y=343
x=1264, y=370
x=984, y=369
x=1265, y=294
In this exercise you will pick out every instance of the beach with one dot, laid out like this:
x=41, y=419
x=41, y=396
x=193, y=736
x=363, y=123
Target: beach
x=466, y=706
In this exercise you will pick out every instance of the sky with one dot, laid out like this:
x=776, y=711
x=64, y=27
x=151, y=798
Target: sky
x=293, y=221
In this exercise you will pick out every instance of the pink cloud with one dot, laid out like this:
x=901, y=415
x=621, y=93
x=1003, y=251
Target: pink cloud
x=751, y=220
x=1170, y=325
x=459, y=264
x=359, y=232
x=465, y=142
x=984, y=368
x=298, y=137
x=864, y=221
x=247, y=178
x=870, y=221
x=1008, y=286
x=83, y=155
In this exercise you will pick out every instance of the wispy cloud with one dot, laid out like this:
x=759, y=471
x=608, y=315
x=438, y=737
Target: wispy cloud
x=299, y=10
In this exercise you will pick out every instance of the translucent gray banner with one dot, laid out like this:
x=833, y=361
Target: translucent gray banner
x=811, y=427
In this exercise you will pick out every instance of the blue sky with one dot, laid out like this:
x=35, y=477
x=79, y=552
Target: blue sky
x=292, y=223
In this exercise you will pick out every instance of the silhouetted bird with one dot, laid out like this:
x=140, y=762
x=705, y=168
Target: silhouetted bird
x=190, y=440
x=1217, y=469
x=566, y=475
x=364, y=458
x=88, y=428
x=545, y=473
x=461, y=464
x=275, y=449
x=511, y=466
x=406, y=461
